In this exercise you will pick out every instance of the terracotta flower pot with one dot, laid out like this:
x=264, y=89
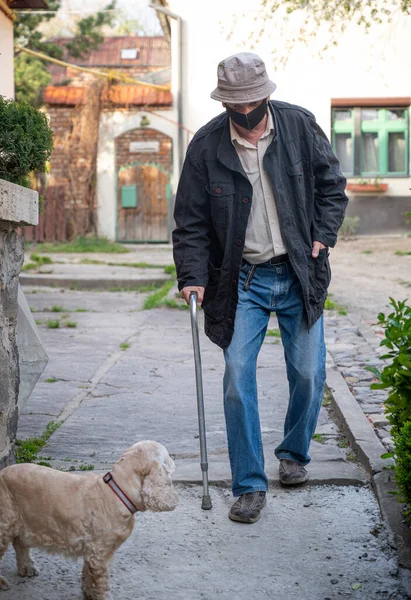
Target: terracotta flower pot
x=374, y=188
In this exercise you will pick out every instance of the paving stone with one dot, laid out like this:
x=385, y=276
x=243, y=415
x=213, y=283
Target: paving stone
x=378, y=420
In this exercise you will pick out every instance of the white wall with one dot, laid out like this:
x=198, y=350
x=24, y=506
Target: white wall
x=113, y=124
x=377, y=64
x=6, y=57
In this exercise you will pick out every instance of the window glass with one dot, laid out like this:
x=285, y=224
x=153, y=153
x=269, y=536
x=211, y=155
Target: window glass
x=342, y=115
x=369, y=114
x=369, y=152
x=343, y=150
x=396, y=152
x=395, y=113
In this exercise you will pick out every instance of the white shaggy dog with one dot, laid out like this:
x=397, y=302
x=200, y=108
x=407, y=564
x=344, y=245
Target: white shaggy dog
x=82, y=515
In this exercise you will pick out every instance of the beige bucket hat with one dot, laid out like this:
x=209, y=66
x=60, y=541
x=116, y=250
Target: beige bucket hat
x=242, y=78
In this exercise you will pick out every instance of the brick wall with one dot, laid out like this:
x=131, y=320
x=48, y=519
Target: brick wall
x=124, y=156
x=71, y=170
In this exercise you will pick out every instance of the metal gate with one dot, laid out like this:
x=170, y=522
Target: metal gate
x=143, y=199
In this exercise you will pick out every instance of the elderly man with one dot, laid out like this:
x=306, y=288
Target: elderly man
x=260, y=201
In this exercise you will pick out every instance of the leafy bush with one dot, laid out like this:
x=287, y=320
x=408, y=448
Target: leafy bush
x=26, y=141
x=403, y=466
x=397, y=375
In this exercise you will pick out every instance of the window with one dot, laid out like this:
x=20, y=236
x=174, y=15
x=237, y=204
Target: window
x=129, y=53
x=371, y=141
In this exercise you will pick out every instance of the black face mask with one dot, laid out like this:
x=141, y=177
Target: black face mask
x=252, y=119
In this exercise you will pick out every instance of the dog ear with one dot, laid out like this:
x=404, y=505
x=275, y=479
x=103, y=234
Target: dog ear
x=158, y=492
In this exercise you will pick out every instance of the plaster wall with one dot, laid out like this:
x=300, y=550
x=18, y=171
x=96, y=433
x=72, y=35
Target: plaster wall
x=377, y=64
x=113, y=124
x=6, y=56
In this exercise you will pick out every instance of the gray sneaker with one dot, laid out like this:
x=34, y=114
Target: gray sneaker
x=291, y=472
x=248, y=507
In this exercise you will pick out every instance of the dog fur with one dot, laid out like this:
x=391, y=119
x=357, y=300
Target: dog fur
x=79, y=515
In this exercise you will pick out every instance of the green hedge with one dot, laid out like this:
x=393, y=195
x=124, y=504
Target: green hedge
x=402, y=442
x=26, y=141
x=396, y=377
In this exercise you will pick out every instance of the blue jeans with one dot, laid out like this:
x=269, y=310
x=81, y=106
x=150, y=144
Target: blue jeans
x=273, y=288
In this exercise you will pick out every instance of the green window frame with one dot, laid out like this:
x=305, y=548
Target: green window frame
x=356, y=127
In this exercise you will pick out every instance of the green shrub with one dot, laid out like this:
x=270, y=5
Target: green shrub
x=402, y=441
x=26, y=141
x=349, y=226
x=396, y=376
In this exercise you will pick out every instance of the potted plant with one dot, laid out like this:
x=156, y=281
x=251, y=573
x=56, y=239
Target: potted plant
x=367, y=186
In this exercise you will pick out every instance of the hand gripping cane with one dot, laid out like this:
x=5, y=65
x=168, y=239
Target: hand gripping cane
x=206, y=502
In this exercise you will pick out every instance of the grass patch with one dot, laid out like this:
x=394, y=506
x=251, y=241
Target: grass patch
x=401, y=253
x=343, y=443
x=71, y=324
x=38, y=322
x=81, y=310
x=85, y=244
x=351, y=456
x=319, y=437
x=27, y=450
x=170, y=270
x=170, y=303
x=86, y=467
x=29, y=266
x=157, y=299
x=124, y=345
x=367, y=251
x=58, y=309
x=41, y=260
x=273, y=333
x=51, y=380
x=327, y=397
x=53, y=323
x=331, y=305
x=134, y=265
x=136, y=288
x=37, y=261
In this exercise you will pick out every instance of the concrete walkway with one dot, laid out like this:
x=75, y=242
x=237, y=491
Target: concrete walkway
x=124, y=374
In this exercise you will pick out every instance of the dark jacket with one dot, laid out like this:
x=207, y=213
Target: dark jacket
x=213, y=204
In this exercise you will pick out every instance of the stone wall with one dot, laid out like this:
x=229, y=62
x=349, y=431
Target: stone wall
x=18, y=206
x=11, y=260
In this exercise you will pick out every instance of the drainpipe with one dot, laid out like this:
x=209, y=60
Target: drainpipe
x=179, y=20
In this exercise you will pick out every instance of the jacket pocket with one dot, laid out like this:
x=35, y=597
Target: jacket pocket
x=210, y=305
x=221, y=194
x=298, y=167
x=320, y=276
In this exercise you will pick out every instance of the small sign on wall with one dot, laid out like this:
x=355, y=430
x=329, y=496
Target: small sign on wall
x=144, y=146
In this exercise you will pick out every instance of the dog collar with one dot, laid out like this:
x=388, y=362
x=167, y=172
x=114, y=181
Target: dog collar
x=108, y=478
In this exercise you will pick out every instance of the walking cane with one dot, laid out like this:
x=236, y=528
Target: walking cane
x=206, y=502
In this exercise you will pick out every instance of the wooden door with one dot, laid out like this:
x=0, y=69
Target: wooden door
x=142, y=203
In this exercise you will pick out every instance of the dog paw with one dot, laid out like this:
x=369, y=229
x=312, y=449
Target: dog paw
x=4, y=584
x=28, y=571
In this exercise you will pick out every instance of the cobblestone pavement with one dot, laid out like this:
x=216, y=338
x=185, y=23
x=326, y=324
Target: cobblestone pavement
x=351, y=354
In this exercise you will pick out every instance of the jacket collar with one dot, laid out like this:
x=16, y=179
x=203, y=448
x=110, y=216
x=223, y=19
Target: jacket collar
x=226, y=152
